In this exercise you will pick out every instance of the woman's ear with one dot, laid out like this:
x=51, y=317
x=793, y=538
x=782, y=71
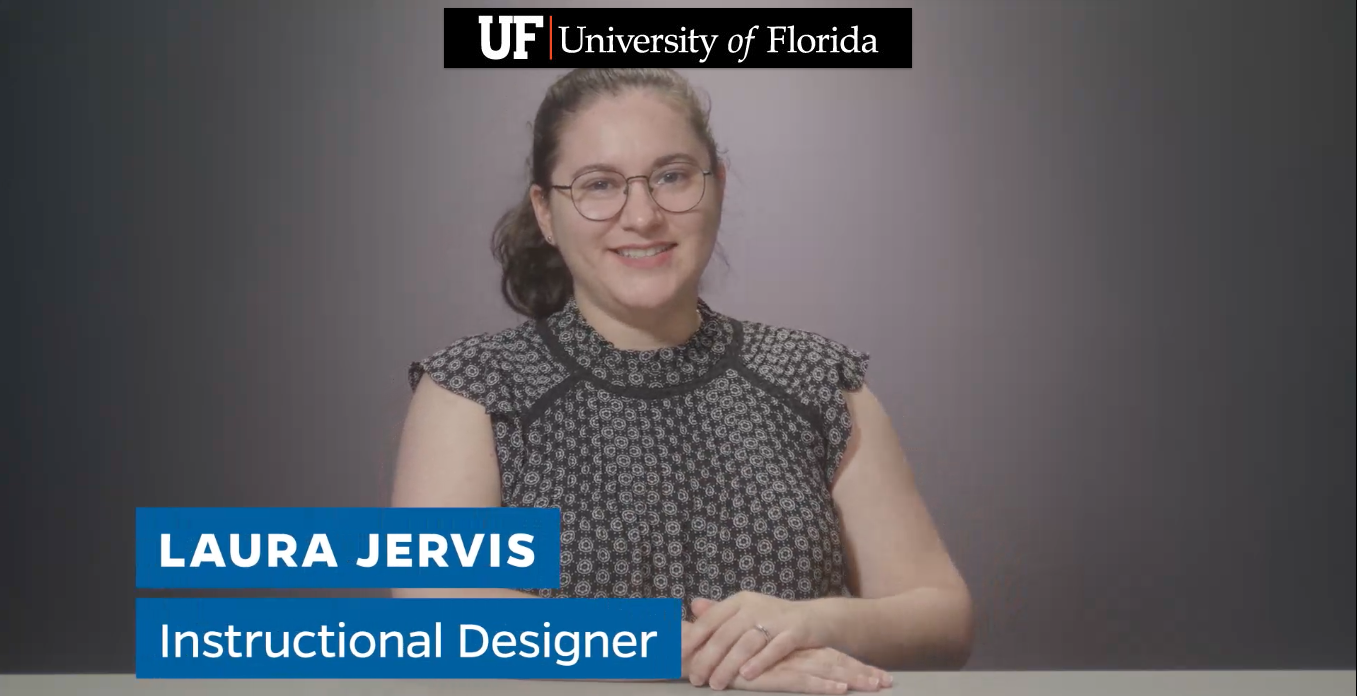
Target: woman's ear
x=542, y=210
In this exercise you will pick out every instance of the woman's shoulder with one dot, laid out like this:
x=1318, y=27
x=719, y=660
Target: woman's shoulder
x=814, y=371
x=801, y=358
x=498, y=369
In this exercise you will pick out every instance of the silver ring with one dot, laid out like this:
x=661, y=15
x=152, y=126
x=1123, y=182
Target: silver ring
x=764, y=631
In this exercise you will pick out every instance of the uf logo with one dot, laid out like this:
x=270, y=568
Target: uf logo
x=524, y=36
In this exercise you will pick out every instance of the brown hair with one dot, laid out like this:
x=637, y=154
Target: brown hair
x=536, y=281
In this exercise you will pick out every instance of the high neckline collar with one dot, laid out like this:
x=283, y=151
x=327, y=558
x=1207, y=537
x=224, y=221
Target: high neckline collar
x=669, y=366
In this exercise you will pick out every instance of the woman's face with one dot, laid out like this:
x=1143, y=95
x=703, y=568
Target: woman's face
x=644, y=256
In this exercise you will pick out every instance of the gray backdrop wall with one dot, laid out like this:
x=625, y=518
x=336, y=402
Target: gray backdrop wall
x=1101, y=254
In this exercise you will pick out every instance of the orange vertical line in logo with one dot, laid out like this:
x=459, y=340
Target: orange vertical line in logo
x=551, y=40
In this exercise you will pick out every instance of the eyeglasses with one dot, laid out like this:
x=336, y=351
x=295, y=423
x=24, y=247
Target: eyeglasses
x=601, y=194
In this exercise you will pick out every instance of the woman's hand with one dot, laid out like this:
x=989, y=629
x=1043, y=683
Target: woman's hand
x=725, y=645
x=806, y=671
x=813, y=671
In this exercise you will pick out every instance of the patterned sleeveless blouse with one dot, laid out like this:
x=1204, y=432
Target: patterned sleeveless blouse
x=693, y=471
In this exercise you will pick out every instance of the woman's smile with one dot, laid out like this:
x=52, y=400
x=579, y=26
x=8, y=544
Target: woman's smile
x=645, y=255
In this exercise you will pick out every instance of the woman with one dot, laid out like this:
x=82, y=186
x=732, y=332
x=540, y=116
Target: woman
x=742, y=467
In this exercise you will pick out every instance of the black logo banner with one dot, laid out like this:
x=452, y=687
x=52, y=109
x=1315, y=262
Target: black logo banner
x=676, y=38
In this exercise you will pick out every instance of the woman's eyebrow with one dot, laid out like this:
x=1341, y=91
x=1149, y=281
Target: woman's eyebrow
x=673, y=157
x=592, y=167
x=658, y=162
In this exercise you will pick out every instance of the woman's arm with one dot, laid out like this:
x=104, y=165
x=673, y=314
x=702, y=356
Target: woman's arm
x=910, y=608
x=447, y=459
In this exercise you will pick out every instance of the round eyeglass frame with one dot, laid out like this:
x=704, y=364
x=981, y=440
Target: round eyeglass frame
x=626, y=191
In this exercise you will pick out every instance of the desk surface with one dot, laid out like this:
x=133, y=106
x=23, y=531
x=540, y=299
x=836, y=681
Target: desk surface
x=1193, y=683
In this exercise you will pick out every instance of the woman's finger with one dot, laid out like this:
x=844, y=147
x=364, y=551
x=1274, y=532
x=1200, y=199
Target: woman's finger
x=706, y=625
x=782, y=645
x=793, y=681
x=812, y=684
x=714, y=650
x=725, y=672
x=844, y=668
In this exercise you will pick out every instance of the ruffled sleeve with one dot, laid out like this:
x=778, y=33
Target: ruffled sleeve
x=471, y=367
x=812, y=372
x=846, y=371
x=478, y=368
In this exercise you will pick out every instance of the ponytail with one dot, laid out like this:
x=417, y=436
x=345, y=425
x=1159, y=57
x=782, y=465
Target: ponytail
x=535, y=282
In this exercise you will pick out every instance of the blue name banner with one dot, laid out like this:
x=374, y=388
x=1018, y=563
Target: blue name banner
x=372, y=638
x=507, y=547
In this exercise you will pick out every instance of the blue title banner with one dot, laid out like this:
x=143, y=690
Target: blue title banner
x=518, y=548
x=371, y=638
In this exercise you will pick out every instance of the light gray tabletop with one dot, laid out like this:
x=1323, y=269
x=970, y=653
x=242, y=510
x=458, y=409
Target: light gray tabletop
x=1193, y=683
